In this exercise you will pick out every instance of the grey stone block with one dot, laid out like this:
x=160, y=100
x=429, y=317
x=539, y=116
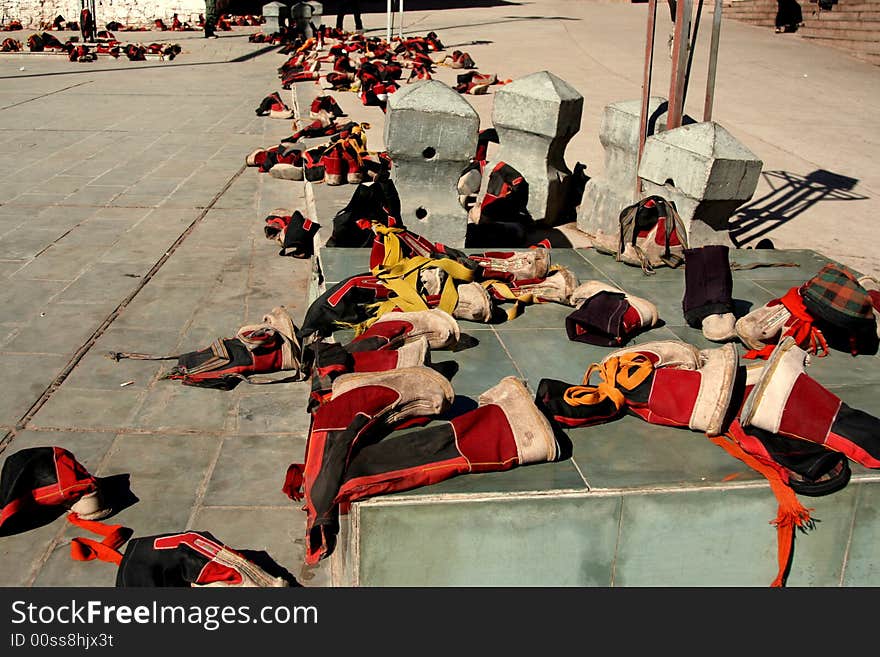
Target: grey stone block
x=431, y=135
x=26, y=550
x=23, y=299
x=280, y=410
x=165, y=306
x=275, y=14
x=104, y=285
x=536, y=116
x=80, y=408
x=171, y=406
x=59, y=329
x=59, y=262
x=706, y=172
x=27, y=241
x=317, y=12
x=605, y=196
x=302, y=15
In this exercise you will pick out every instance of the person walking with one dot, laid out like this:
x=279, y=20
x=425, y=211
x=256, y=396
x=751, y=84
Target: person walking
x=789, y=16
x=210, y=19
x=354, y=8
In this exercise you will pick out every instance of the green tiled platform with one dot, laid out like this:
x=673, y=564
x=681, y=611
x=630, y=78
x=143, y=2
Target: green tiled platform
x=631, y=504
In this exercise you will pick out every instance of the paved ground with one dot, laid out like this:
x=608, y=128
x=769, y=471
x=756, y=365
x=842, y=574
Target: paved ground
x=128, y=221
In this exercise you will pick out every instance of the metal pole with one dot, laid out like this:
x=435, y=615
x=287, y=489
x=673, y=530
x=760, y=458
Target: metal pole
x=713, y=62
x=646, y=88
x=400, y=27
x=388, y=16
x=693, y=44
x=677, y=76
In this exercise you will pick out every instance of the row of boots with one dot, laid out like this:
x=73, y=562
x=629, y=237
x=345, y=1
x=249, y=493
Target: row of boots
x=773, y=416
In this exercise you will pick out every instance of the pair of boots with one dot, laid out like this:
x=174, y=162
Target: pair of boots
x=774, y=417
x=40, y=483
x=274, y=107
x=271, y=346
x=384, y=386
x=292, y=231
x=675, y=384
x=349, y=457
x=395, y=340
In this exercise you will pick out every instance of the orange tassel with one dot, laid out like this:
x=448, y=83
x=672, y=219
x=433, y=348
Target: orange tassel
x=791, y=514
x=87, y=549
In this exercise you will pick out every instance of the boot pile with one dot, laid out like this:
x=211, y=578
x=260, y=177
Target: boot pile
x=368, y=66
x=343, y=159
x=105, y=43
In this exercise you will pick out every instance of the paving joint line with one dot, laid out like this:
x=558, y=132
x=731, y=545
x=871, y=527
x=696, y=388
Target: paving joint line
x=131, y=431
x=84, y=348
x=57, y=91
x=202, y=490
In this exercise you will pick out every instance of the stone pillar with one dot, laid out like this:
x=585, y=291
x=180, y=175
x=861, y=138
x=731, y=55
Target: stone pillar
x=275, y=15
x=706, y=172
x=317, y=13
x=301, y=14
x=431, y=135
x=536, y=116
x=606, y=196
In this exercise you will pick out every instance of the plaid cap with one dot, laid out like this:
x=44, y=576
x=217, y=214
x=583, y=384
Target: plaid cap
x=836, y=296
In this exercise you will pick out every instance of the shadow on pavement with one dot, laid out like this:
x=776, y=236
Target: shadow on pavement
x=790, y=195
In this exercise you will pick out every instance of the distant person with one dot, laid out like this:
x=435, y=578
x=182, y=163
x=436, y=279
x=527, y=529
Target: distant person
x=210, y=19
x=673, y=11
x=354, y=8
x=789, y=16
x=87, y=25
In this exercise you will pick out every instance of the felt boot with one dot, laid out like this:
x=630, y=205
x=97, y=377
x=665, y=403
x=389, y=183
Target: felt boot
x=668, y=382
x=787, y=401
x=361, y=405
x=192, y=558
x=505, y=431
x=606, y=315
x=708, y=302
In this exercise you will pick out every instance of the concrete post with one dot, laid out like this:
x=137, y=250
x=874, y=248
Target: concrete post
x=431, y=135
x=706, y=172
x=536, y=116
x=301, y=14
x=605, y=196
x=275, y=15
x=317, y=13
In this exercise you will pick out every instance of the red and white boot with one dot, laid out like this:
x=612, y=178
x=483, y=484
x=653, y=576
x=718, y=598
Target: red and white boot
x=787, y=401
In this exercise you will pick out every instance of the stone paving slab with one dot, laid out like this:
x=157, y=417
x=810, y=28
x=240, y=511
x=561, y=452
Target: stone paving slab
x=135, y=226
x=138, y=167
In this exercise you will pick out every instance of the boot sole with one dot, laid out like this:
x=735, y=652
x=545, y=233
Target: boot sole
x=752, y=403
x=516, y=391
x=294, y=173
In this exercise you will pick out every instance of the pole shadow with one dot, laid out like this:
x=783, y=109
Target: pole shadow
x=790, y=196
